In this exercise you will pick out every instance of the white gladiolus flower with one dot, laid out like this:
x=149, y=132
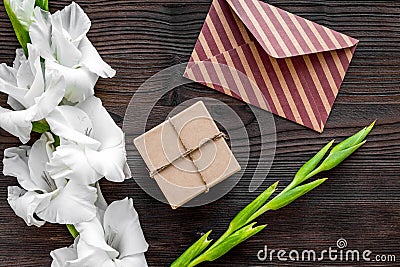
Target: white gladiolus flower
x=42, y=199
x=23, y=10
x=33, y=94
x=114, y=239
x=62, y=42
x=92, y=145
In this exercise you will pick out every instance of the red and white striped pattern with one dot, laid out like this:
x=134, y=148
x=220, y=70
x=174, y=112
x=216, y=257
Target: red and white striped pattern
x=295, y=66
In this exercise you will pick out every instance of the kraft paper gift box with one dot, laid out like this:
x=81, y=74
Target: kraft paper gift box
x=187, y=155
x=295, y=66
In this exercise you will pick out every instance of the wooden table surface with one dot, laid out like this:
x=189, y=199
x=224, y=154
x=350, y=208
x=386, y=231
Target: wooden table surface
x=361, y=200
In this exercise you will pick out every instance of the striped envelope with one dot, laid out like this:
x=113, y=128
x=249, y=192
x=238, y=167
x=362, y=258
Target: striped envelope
x=295, y=66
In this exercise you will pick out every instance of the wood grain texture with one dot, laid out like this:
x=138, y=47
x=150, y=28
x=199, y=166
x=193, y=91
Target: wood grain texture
x=361, y=200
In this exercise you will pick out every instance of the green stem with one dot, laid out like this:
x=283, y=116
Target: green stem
x=222, y=238
x=201, y=259
x=196, y=261
x=43, y=4
x=72, y=230
x=258, y=213
x=314, y=172
x=240, y=226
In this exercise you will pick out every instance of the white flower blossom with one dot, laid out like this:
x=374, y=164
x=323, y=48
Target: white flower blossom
x=55, y=84
x=23, y=11
x=113, y=239
x=92, y=145
x=33, y=94
x=42, y=199
x=62, y=42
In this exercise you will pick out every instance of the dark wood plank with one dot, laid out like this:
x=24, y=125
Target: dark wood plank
x=360, y=201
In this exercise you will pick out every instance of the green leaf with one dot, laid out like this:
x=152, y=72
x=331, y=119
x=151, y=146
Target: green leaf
x=230, y=242
x=193, y=251
x=56, y=140
x=43, y=4
x=337, y=157
x=20, y=31
x=231, y=238
x=288, y=197
x=353, y=140
x=43, y=127
x=343, y=150
x=40, y=127
x=242, y=217
x=309, y=166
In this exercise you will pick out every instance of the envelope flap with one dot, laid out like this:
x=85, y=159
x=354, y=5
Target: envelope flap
x=283, y=34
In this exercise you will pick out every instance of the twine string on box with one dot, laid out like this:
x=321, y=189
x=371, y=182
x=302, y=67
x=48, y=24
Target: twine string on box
x=188, y=153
